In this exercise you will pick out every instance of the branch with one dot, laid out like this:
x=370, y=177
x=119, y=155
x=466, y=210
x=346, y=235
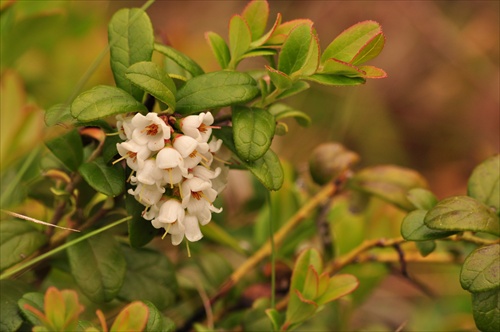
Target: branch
x=264, y=251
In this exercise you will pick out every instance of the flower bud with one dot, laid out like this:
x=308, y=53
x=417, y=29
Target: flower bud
x=329, y=160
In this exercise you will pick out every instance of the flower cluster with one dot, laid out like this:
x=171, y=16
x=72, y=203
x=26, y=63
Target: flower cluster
x=175, y=173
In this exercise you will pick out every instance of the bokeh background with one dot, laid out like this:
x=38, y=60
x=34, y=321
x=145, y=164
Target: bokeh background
x=437, y=112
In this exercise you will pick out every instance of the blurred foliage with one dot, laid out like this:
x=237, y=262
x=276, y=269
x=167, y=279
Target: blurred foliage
x=436, y=113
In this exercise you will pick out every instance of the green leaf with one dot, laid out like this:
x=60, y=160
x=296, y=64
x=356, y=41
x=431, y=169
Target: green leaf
x=131, y=40
x=338, y=286
x=463, y=213
x=259, y=52
x=214, y=90
x=157, y=321
x=275, y=317
x=103, y=101
x=309, y=257
x=219, y=49
x=281, y=32
x=57, y=114
x=484, y=183
x=426, y=247
x=240, y=38
x=68, y=148
x=132, y=318
x=109, y=180
x=486, y=310
x=256, y=14
x=390, y=183
x=480, y=269
x=373, y=72
x=267, y=170
x=280, y=80
x=422, y=198
x=263, y=40
x=140, y=230
x=98, y=266
x=371, y=49
x=335, y=80
x=12, y=291
x=282, y=111
x=253, y=132
x=34, y=300
x=337, y=67
x=296, y=88
x=150, y=276
x=18, y=241
x=355, y=43
x=152, y=79
x=180, y=58
x=295, y=52
x=414, y=229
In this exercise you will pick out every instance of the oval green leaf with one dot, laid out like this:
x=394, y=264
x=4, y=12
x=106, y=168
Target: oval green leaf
x=131, y=40
x=335, y=80
x=282, y=111
x=103, y=101
x=140, y=230
x=151, y=78
x=68, y=148
x=294, y=54
x=370, y=50
x=10, y=316
x=253, y=132
x=351, y=42
x=481, y=269
x=214, y=90
x=296, y=88
x=422, y=198
x=59, y=113
x=267, y=170
x=256, y=14
x=109, y=180
x=337, y=67
x=486, y=310
x=157, y=321
x=339, y=285
x=463, y=213
x=414, y=229
x=219, y=49
x=390, y=183
x=484, y=183
x=18, y=241
x=240, y=38
x=280, y=80
x=35, y=300
x=149, y=276
x=180, y=58
x=98, y=266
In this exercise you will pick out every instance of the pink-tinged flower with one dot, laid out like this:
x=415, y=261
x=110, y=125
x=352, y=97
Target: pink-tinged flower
x=198, y=126
x=192, y=230
x=134, y=153
x=124, y=126
x=149, y=173
x=191, y=150
x=170, y=161
x=150, y=130
x=170, y=217
x=197, y=198
x=147, y=194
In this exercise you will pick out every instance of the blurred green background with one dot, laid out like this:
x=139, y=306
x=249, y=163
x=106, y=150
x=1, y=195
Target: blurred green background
x=437, y=112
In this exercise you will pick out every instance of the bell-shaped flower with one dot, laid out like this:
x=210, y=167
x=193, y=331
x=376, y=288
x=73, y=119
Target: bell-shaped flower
x=170, y=217
x=198, y=126
x=191, y=230
x=147, y=194
x=149, y=173
x=150, y=130
x=191, y=150
x=134, y=153
x=204, y=173
x=197, y=197
x=170, y=161
x=124, y=126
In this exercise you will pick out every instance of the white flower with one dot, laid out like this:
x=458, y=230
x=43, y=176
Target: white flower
x=198, y=126
x=147, y=194
x=191, y=230
x=124, y=126
x=191, y=150
x=149, y=173
x=197, y=198
x=170, y=217
x=204, y=173
x=170, y=161
x=150, y=130
x=134, y=153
